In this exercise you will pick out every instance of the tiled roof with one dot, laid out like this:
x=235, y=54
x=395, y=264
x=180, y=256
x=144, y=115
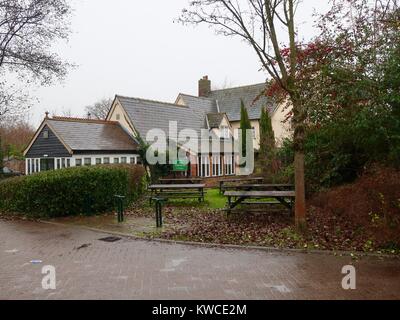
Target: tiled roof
x=92, y=135
x=215, y=119
x=199, y=104
x=148, y=114
x=228, y=101
x=191, y=112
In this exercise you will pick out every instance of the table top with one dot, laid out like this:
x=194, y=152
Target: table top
x=242, y=179
x=176, y=186
x=261, y=186
x=180, y=179
x=290, y=194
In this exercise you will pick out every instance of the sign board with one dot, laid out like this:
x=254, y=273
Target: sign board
x=180, y=165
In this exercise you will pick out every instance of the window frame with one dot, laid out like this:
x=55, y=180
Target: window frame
x=206, y=170
x=87, y=164
x=217, y=166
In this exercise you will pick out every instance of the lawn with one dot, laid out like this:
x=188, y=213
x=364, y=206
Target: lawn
x=212, y=200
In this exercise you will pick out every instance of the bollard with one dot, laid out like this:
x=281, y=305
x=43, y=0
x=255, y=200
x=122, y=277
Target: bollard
x=159, y=220
x=120, y=207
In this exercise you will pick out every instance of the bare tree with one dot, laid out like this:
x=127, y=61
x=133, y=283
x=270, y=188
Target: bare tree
x=257, y=23
x=27, y=29
x=13, y=102
x=99, y=109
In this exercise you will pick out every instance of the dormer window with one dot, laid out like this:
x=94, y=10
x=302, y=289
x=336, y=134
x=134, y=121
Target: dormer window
x=118, y=116
x=45, y=134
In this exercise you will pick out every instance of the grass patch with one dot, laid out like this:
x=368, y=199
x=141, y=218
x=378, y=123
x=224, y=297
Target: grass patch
x=212, y=200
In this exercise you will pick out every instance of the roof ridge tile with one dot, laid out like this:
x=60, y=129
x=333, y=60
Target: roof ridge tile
x=76, y=119
x=153, y=101
x=240, y=87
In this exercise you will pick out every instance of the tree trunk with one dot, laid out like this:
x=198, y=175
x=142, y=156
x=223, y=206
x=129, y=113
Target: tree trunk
x=299, y=135
x=300, y=206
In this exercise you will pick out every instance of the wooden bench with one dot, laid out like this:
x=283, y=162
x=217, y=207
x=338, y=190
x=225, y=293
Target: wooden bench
x=236, y=198
x=222, y=183
x=177, y=191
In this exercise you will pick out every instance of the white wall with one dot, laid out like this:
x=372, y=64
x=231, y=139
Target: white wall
x=82, y=157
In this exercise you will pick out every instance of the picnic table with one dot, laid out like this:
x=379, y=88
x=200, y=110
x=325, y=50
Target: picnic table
x=239, y=197
x=177, y=191
x=260, y=187
x=180, y=180
x=235, y=180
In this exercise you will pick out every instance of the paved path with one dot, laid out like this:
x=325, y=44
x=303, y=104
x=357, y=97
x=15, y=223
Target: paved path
x=133, y=269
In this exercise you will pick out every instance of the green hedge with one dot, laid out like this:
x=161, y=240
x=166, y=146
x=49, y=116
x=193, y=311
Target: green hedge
x=72, y=191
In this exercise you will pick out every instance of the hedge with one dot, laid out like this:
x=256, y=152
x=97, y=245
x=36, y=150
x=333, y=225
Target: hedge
x=72, y=191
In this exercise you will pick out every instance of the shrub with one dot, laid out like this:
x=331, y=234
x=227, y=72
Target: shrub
x=71, y=191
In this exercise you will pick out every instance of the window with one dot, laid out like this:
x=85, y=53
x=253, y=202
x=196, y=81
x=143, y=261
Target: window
x=133, y=160
x=123, y=160
x=116, y=160
x=204, y=166
x=63, y=162
x=37, y=165
x=58, y=164
x=88, y=161
x=229, y=165
x=45, y=134
x=106, y=160
x=78, y=162
x=118, y=116
x=225, y=132
x=98, y=160
x=138, y=160
x=68, y=163
x=29, y=166
x=216, y=166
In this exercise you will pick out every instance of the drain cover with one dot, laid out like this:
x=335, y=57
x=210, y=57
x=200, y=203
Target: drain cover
x=110, y=239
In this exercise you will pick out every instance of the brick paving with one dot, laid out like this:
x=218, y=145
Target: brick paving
x=135, y=269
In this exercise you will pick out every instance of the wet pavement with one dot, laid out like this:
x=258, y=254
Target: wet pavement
x=136, y=226
x=87, y=268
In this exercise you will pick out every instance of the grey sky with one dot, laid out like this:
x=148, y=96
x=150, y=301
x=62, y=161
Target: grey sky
x=133, y=48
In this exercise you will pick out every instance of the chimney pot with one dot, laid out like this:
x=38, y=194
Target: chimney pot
x=46, y=114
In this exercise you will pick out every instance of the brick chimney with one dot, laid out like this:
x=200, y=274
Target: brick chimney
x=204, y=87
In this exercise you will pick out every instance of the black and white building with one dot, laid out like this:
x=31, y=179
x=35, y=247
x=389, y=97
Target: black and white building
x=62, y=142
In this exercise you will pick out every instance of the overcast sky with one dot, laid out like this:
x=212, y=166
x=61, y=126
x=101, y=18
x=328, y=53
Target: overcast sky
x=134, y=48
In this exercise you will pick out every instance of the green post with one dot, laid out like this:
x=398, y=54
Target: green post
x=120, y=207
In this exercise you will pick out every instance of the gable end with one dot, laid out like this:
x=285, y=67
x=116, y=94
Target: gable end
x=50, y=146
